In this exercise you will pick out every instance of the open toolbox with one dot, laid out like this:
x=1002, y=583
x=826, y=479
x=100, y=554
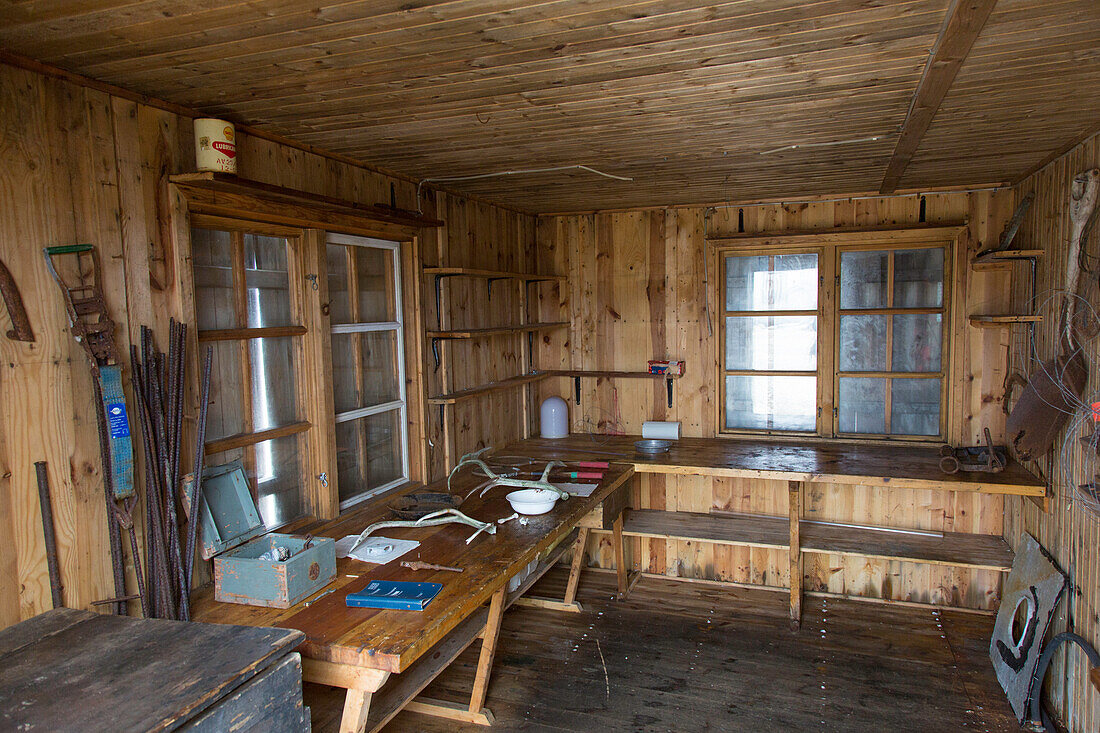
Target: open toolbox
x=235, y=538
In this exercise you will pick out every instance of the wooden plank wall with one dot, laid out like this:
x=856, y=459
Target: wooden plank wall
x=83, y=166
x=637, y=288
x=1068, y=531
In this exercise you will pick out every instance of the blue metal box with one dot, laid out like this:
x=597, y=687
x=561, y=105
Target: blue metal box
x=234, y=536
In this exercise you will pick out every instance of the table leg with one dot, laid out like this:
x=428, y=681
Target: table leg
x=488, y=650
x=576, y=566
x=622, y=576
x=794, y=506
x=360, y=682
x=356, y=707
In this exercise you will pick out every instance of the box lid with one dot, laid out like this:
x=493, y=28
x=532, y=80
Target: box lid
x=227, y=512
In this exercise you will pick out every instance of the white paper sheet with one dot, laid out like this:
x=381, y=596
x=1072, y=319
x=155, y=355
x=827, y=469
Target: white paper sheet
x=577, y=489
x=378, y=550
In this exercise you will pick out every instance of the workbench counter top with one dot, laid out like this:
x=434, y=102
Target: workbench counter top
x=912, y=467
x=392, y=640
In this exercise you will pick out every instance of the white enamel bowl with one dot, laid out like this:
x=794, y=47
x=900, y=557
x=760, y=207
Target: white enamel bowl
x=532, y=501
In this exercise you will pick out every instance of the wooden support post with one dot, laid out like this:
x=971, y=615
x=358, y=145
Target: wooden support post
x=794, y=505
x=488, y=649
x=356, y=707
x=621, y=575
x=576, y=566
x=360, y=682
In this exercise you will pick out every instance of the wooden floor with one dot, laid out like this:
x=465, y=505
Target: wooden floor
x=680, y=656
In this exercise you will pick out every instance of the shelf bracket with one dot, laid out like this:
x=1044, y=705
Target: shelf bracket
x=435, y=352
x=489, y=285
x=530, y=348
x=577, y=389
x=668, y=383
x=438, y=301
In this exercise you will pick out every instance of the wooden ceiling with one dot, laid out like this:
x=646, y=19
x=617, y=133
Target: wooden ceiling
x=695, y=101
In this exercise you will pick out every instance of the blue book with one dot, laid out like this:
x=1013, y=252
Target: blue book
x=397, y=594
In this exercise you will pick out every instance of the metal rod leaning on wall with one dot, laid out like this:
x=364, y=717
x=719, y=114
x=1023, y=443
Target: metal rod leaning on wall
x=48, y=533
x=200, y=458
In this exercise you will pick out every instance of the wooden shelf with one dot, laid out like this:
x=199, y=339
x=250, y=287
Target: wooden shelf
x=490, y=274
x=608, y=375
x=465, y=394
x=470, y=333
x=957, y=549
x=1003, y=321
x=291, y=206
x=1004, y=257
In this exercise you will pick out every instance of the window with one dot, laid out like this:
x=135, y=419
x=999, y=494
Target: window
x=245, y=311
x=858, y=354
x=368, y=366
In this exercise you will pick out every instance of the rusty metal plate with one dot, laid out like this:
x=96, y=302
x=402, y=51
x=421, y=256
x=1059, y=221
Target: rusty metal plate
x=1033, y=587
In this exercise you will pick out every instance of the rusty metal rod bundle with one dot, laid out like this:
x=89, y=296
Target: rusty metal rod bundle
x=200, y=458
x=159, y=382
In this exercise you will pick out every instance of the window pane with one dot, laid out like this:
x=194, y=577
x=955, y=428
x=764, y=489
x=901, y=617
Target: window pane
x=917, y=342
x=785, y=343
x=918, y=278
x=274, y=400
x=274, y=474
x=915, y=407
x=212, y=257
x=339, y=306
x=377, y=363
x=862, y=407
x=273, y=389
x=374, y=268
x=863, y=279
x=224, y=414
x=771, y=403
x=863, y=343
x=789, y=284
x=368, y=453
x=267, y=281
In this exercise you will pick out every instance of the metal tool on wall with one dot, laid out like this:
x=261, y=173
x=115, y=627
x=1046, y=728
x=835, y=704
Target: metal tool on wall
x=20, y=325
x=1052, y=391
x=93, y=328
x=48, y=534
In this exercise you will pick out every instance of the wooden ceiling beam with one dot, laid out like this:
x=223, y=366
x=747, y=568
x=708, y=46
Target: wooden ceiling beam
x=965, y=22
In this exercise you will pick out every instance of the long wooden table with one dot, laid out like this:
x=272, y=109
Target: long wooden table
x=384, y=658
x=909, y=467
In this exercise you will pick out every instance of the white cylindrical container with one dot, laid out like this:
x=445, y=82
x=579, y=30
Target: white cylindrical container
x=554, y=418
x=661, y=430
x=215, y=145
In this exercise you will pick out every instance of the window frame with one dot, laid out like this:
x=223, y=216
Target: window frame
x=244, y=335
x=397, y=327
x=829, y=245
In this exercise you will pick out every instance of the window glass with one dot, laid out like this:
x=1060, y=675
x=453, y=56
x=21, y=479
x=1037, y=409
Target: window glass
x=863, y=279
x=787, y=343
x=369, y=453
x=915, y=406
x=267, y=283
x=863, y=343
x=766, y=402
x=777, y=282
x=373, y=357
x=918, y=339
x=273, y=468
x=918, y=278
x=862, y=405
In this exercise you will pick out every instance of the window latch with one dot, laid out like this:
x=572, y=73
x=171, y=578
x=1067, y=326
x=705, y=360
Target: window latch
x=323, y=478
x=312, y=277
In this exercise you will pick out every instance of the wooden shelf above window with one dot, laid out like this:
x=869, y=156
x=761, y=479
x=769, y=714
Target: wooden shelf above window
x=471, y=333
x=224, y=194
x=956, y=549
x=991, y=260
x=1003, y=321
x=466, y=394
x=490, y=274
